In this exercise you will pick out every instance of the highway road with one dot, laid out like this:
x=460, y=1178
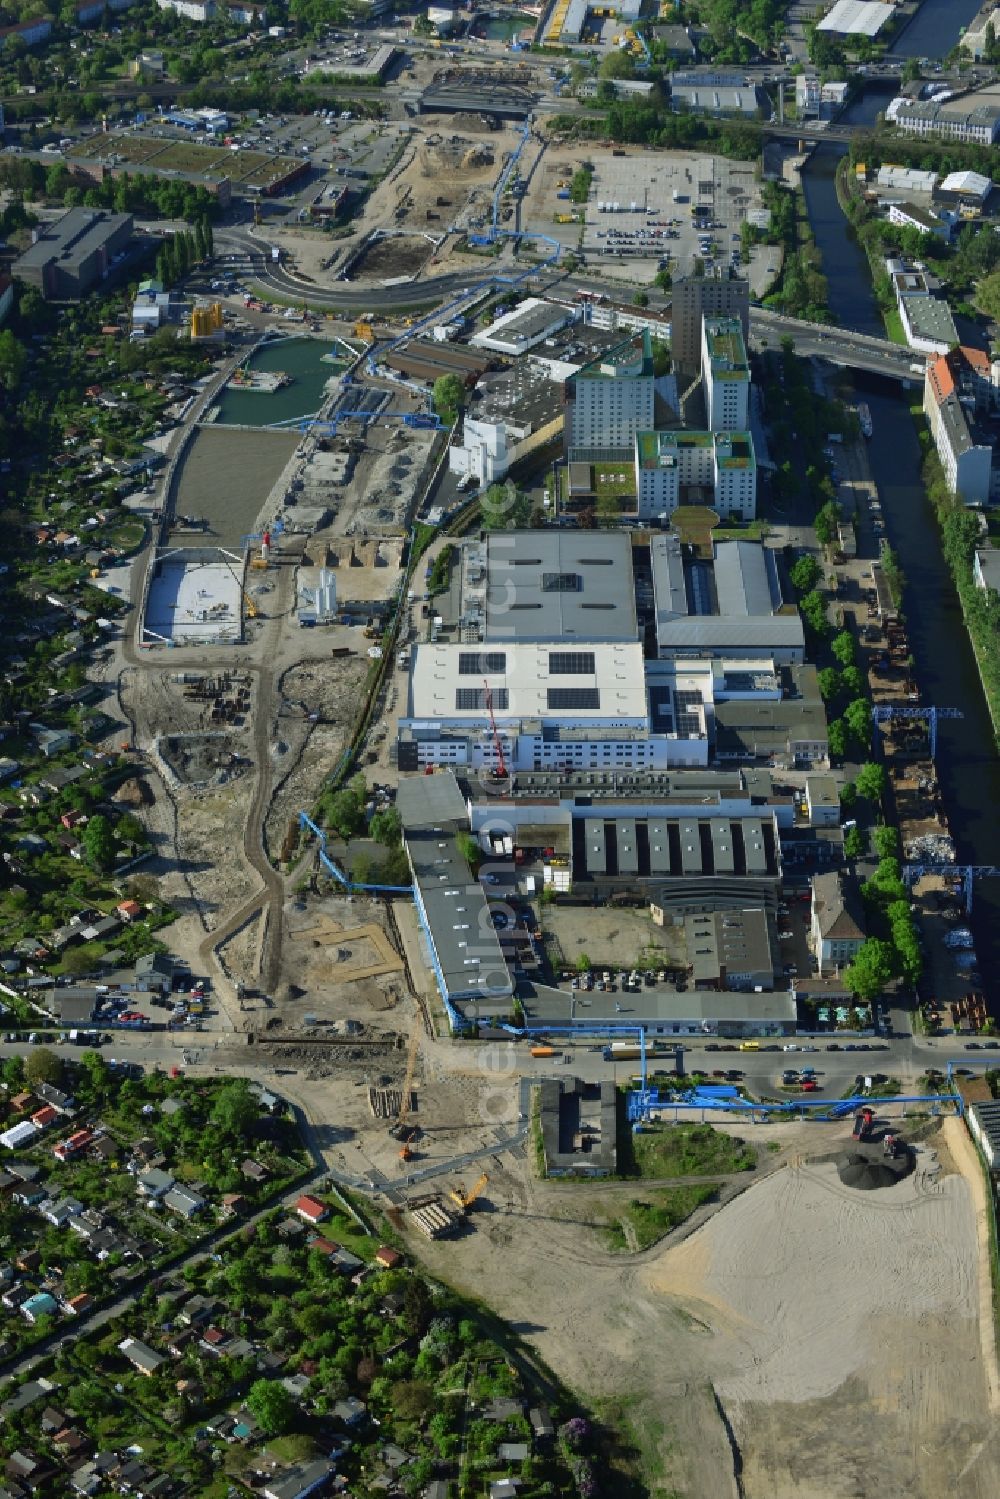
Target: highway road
x=840, y=345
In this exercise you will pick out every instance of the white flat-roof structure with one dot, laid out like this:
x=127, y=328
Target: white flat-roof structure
x=856, y=18
x=195, y=598
x=530, y=323
x=574, y=684
x=967, y=185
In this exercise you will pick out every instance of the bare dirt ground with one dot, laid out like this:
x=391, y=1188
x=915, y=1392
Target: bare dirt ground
x=331, y=688
x=835, y=1330
x=612, y=937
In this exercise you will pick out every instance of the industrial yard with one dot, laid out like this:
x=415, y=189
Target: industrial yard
x=767, y=1316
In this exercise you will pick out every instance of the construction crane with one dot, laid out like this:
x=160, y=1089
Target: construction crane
x=501, y=770
x=463, y=1199
x=399, y=1129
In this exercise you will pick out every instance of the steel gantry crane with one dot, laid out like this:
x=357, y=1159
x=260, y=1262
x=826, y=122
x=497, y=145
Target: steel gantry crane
x=967, y=873
x=885, y=713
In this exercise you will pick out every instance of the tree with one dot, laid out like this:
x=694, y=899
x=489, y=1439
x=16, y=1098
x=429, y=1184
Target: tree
x=235, y=1111
x=848, y=795
x=805, y=574
x=858, y=717
x=504, y=508
x=271, y=1407
x=842, y=646
x=872, y=781
x=886, y=842
x=855, y=844
x=345, y=814
x=386, y=827
x=469, y=848
x=616, y=65
x=853, y=681
x=418, y=1306
x=583, y=963
x=641, y=299
x=99, y=842
x=43, y=1066
x=828, y=678
x=871, y=970
x=96, y=1070
x=448, y=397
x=412, y=1399
x=826, y=523
x=13, y=358
x=836, y=738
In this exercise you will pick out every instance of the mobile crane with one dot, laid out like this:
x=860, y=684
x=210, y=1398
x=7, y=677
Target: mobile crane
x=462, y=1199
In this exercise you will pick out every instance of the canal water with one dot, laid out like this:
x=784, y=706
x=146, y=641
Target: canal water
x=226, y=477
x=935, y=28
x=967, y=761
x=300, y=358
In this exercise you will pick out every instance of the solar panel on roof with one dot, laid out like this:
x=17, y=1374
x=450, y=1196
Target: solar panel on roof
x=476, y=663
x=573, y=697
x=571, y=663
x=468, y=699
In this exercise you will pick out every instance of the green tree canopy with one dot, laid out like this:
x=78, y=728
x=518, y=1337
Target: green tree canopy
x=43, y=1066
x=843, y=648
x=872, y=782
x=871, y=970
x=449, y=397
x=271, y=1406
x=386, y=827
x=99, y=842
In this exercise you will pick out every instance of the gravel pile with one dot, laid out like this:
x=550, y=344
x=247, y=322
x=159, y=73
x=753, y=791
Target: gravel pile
x=868, y=1173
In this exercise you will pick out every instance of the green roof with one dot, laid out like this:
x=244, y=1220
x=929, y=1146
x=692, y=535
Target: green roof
x=726, y=349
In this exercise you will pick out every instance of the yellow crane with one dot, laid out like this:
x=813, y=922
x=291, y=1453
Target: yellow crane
x=399, y=1129
x=463, y=1199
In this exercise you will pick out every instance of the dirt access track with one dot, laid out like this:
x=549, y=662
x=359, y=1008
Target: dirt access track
x=809, y=1341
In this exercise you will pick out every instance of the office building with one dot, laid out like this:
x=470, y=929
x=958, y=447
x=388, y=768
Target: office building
x=610, y=400
x=719, y=293
x=725, y=374
x=700, y=468
x=69, y=257
x=837, y=922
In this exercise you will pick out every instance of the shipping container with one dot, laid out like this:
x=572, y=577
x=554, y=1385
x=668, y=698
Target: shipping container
x=543, y=1051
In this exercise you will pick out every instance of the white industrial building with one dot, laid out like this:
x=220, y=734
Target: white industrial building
x=725, y=374
x=856, y=18
x=730, y=610
x=971, y=118
x=611, y=400
x=484, y=453
x=682, y=467
x=531, y=322
x=973, y=186
x=317, y=596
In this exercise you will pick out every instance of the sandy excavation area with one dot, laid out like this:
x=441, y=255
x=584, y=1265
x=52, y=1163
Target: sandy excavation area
x=822, y=1341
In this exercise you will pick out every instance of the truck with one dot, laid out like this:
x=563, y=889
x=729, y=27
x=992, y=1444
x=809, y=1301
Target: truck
x=543, y=1051
x=863, y=1121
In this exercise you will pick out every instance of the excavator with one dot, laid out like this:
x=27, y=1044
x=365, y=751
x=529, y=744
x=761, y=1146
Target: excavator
x=462, y=1199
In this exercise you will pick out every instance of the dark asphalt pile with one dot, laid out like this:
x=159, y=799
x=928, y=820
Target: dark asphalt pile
x=868, y=1173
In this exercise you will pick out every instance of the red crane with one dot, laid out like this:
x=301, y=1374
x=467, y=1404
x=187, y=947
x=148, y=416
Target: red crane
x=497, y=745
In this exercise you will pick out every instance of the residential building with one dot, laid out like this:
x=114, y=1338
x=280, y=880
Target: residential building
x=140, y=1356
x=969, y=118
x=246, y=12
x=837, y=922
x=149, y=63
x=725, y=374
x=928, y=324
x=719, y=293
x=967, y=462
x=911, y=216
x=191, y=10
x=610, y=400
x=31, y=32
x=714, y=468
x=69, y=257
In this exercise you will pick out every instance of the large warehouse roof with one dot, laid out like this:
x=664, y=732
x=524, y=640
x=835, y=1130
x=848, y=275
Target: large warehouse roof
x=559, y=586
x=856, y=18
x=584, y=683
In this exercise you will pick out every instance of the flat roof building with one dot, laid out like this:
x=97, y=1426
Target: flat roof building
x=564, y=585
x=453, y=911
x=718, y=293
x=69, y=257
x=530, y=323
x=733, y=948
x=856, y=18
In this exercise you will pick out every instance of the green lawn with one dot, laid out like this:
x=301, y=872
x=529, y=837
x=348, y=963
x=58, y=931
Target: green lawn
x=687, y=1150
x=894, y=327
x=650, y=1217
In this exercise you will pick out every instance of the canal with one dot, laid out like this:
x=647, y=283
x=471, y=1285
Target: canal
x=967, y=761
x=310, y=364
x=935, y=28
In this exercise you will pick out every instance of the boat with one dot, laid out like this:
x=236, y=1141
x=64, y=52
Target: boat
x=865, y=418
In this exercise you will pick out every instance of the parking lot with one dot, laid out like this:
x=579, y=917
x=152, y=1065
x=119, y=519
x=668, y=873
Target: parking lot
x=646, y=211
